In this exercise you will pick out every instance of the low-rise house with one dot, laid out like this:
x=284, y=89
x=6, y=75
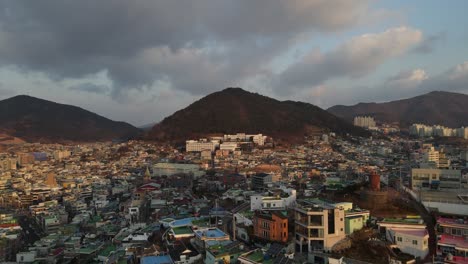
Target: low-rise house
x=411, y=241
x=204, y=235
x=223, y=252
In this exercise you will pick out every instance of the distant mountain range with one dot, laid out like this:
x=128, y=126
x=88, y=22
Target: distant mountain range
x=234, y=110
x=231, y=110
x=35, y=119
x=444, y=108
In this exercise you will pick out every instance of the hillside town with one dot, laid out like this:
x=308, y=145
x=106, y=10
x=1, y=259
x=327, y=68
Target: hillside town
x=237, y=198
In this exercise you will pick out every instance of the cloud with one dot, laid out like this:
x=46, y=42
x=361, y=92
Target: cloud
x=356, y=58
x=404, y=84
x=90, y=88
x=428, y=44
x=140, y=43
x=406, y=79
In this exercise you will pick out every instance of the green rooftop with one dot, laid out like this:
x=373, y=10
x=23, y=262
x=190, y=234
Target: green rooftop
x=107, y=250
x=182, y=230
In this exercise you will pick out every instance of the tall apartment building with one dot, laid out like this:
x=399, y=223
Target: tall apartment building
x=364, y=121
x=436, y=179
x=422, y=130
x=271, y=225
x=318, y=225
x=431, y=156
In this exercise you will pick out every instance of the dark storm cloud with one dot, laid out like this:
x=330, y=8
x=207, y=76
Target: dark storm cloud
x=195, y=46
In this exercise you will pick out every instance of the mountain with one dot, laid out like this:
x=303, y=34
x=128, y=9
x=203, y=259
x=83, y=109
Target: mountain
x=147, y=127
x=35, y=119
x=443, y=108
x=234, y=110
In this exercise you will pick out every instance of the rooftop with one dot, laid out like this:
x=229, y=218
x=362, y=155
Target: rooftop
x=456, y=241
x=165, y=259
x=210, y=233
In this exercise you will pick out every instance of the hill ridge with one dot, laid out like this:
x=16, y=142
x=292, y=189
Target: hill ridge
x=435, y=107
x=233, y=110
x=37, y=119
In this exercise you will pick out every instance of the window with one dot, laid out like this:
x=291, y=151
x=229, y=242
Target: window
x=415, y=242
x=399, y=239
x=284, y=225
x=341, y=229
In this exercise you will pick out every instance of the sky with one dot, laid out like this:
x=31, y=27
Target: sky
x=140, y=61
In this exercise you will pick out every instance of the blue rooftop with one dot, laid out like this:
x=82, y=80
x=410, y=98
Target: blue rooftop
x=212, y=233
x=183, y=222
x=166, y=259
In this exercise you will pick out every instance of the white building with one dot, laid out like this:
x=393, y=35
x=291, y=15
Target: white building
x=26, y=257
x=231, y=146
x=258, y=139
x=281, y=202
x=411, y=241
x=200, y=145
x=364, y=121
x=422, y=130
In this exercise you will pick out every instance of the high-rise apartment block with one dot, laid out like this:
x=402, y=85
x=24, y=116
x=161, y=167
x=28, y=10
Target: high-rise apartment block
x=364, y=121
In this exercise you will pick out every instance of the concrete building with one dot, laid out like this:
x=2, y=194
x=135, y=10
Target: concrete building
x=452, y=234
x=260, y=181
x=258, y=139
x=271, y=225
x=431, y=156
x=61, y=154
x=231, y=146
x=435, y=179
x=421, y=130
x=364, y=121
x=169, y=169
x=200, y=145
x=285, y=200
x=319, y=225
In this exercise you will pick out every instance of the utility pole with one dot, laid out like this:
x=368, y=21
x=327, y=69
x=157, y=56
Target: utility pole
x=233, y=227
